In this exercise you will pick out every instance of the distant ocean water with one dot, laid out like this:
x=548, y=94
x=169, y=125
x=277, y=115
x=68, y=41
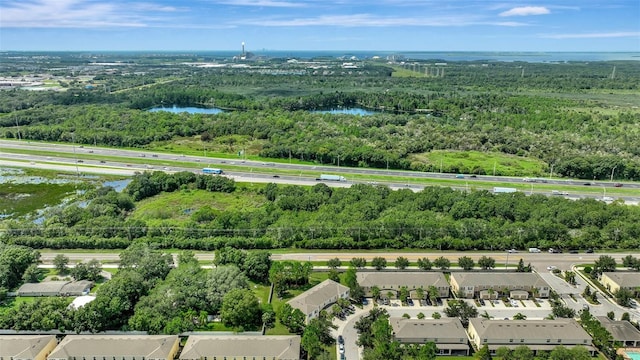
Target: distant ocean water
x=445, y=55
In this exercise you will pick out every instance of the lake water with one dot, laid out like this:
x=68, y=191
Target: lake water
x=189, y=109
x=348, y=111
x=117, y=185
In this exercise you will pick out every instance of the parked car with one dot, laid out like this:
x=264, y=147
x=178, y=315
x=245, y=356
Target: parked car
x=341, y=348
x=340, y=339
x=409, y=302
x=481, y=301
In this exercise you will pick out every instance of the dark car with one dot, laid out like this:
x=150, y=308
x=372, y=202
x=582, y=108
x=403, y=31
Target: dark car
x=409, y=302
x=617, y=185
x=573, y=251
x=473, y=176
x=589, y=251
x=340, y=339
x=587, y=184
x=481, y=302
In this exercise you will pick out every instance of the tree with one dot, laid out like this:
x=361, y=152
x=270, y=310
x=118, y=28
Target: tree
x=222, y=280
x=611, y=315
x=32, y=274
x=334, y=263
x=433, y=293
x=310, y=341
x=575, y=353
x=402, y=262
x=292, y=318
x=228, y=255
x=442, y=263
x=90, y=271
x=358, y=263
x=420, y=293
x=522, y=352
x=350, y=278
x=14, y=261
x=424, y=264
x=379, y=263
x=623, y=297
x=256, y=265
x=521, y=267
x=334, y=275
x=241, y=309
x=605, y=263
x=149, y=262
x=519, y=316
x=503, y=353
x=625, y=317
x=483, y=353
x=436, y=315
x=486, y=263
x=466, y=263
x=570, y=277
x=60, y=263
x=375, y=292
x=462, y=310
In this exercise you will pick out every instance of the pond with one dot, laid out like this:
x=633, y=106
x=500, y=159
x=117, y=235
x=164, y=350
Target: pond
x=347, y=111
x=117, y=185
x=189, y=109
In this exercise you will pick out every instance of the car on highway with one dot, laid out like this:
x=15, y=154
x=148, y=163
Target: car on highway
x=552, y=267
x=459, y=176
x=589, y=251
x=102, y=161
x=573, y=251
x=617, y=185
x=512, y=251
x=473, y=176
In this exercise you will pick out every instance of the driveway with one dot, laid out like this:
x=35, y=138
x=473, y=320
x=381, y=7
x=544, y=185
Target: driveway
x=346, y=328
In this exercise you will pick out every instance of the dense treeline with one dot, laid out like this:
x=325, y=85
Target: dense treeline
x=321, y=217
x=492, y=108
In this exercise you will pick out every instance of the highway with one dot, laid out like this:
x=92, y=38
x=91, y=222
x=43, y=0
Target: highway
x=91, y=160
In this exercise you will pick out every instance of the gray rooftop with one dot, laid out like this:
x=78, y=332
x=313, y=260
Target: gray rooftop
x=147, y=346
x=620, y=330
x=76, y=287
x=281, y=347
x=445, y=330
x=23, y=346
x=400, y=278
x=489, y=279
x=529, y=329
x=625, y=279
x=42, y=287
x=317, y=296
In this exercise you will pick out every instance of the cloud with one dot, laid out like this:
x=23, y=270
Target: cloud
x=594, y=35
x=263, y=3
x=526, y=11
x=369, y=20
x=80, y=14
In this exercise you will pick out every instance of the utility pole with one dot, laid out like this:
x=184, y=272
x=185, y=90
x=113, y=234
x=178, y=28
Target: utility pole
x=612, y=171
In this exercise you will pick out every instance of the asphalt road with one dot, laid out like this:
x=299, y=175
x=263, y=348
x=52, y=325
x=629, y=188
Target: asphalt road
x=90, y=151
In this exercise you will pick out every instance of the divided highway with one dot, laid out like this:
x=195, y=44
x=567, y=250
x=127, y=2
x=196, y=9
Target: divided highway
x=91, y=160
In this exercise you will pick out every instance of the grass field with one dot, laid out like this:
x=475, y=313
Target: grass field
x=22, y=199
x=505, y=165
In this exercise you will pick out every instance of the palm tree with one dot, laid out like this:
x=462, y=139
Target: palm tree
x=434, y=294
x=375, y=292
x=420, y=293
x=519, y=316
x=491, y=292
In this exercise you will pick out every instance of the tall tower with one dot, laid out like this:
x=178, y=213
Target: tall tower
x=243, y=48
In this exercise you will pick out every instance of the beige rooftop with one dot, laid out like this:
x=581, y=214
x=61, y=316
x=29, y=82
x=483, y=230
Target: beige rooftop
x=118, y=346
x=280, y=347
x=23, y=346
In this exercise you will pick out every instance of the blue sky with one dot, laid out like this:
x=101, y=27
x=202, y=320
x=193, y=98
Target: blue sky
x=395, y=25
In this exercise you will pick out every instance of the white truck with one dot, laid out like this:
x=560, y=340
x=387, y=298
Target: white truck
x=504, y=190
x=326, y=177
x=534, y=250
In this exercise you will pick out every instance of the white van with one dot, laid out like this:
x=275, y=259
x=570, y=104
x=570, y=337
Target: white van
x=534, y=250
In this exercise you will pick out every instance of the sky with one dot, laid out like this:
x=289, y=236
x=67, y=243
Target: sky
x=350, y=25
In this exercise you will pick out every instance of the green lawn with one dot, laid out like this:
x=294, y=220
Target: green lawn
x=505, y=165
